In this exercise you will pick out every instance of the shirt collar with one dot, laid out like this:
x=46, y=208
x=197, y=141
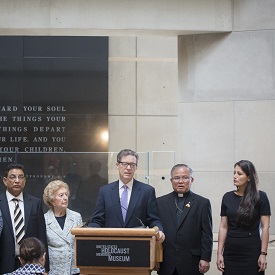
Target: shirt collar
x=129, y=184
x=10, y=196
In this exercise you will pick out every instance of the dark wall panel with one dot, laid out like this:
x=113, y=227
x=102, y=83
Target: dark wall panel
x=54, y=99
x=53, y=82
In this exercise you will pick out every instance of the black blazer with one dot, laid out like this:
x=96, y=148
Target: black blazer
x=190, y=241
x=34, y=227
x=142, y=208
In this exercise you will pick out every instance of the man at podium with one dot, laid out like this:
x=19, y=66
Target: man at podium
x=127, y=203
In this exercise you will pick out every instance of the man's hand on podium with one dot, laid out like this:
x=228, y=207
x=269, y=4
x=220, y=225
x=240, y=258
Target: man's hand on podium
x=160, y=236
x=156, y=268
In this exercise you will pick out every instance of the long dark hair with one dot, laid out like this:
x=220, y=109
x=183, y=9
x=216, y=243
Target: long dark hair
x=251, y=194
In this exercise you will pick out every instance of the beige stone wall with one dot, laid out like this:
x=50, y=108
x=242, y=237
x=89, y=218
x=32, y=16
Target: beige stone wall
x=227, y=107
x=114, y=17
x=226, y=88
x=143, y=100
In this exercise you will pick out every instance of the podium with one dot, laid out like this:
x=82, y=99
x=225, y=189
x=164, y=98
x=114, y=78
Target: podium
x=116, y=250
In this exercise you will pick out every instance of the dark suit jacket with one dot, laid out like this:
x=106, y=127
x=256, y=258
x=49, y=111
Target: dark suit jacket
x=34, y=227
x=142, y=207
x=1, y=222
x=190, y=241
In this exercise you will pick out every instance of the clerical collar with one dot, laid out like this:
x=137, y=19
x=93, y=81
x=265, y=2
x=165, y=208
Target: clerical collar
x=182, y=195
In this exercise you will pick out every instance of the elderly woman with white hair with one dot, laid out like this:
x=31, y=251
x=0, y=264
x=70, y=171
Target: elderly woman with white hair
x=59, y=222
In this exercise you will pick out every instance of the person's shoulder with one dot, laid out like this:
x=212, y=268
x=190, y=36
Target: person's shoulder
x=142, y=184
x=201, y=198
x=109, y=186
x=73, y=213
x=3, y=195
x=27, y=196
x=228, y=194
x=48, y=214
x=112, y=183
x=164, y=197
x=262, y=194
x=197, y=196
x=75, y=216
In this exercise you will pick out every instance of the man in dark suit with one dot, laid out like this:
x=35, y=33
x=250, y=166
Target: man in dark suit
x=1, y=222
x=187, y=222
x=141, y=205
x=33, y=218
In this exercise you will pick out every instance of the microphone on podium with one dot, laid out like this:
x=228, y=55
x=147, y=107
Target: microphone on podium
x=140, y=221
x=103, y=212
x=112, y=206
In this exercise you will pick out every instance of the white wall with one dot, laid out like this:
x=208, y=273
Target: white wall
x=114, y=17
x=227, y=106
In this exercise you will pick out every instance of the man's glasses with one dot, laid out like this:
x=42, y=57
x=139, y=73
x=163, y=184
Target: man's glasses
x=126, y=164
x=13, y=177
x=184, y=178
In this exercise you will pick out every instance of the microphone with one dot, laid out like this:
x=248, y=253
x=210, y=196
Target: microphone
x=140, y=221
x=112, y=206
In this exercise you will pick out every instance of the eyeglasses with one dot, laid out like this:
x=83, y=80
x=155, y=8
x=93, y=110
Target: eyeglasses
x=184, y=178
x=126, y=164
x=13, y=177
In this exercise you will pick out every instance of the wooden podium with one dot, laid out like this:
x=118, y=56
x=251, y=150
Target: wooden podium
x=116, y=250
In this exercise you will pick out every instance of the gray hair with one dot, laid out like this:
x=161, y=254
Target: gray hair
x=179, y=166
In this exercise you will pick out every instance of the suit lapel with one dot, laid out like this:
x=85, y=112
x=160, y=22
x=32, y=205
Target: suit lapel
x=172, y=208
x=188, y=204
x=69, y=223
x=6, y=211
x=55, y=227
x=135, y=194
x=116, y=202
x=27, y=209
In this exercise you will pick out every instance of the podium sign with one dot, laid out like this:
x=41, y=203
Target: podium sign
x=115, y=250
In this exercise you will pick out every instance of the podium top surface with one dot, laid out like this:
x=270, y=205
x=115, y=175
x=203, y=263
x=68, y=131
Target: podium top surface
x=91, y=231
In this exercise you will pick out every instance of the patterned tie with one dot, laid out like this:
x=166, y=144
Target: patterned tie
x=124, y=202
x=18, y=222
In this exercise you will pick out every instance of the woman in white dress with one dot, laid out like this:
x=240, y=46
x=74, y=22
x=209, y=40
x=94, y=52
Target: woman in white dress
x=59, y=222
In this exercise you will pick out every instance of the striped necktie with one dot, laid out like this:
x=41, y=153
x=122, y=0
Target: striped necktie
x=18, y=222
